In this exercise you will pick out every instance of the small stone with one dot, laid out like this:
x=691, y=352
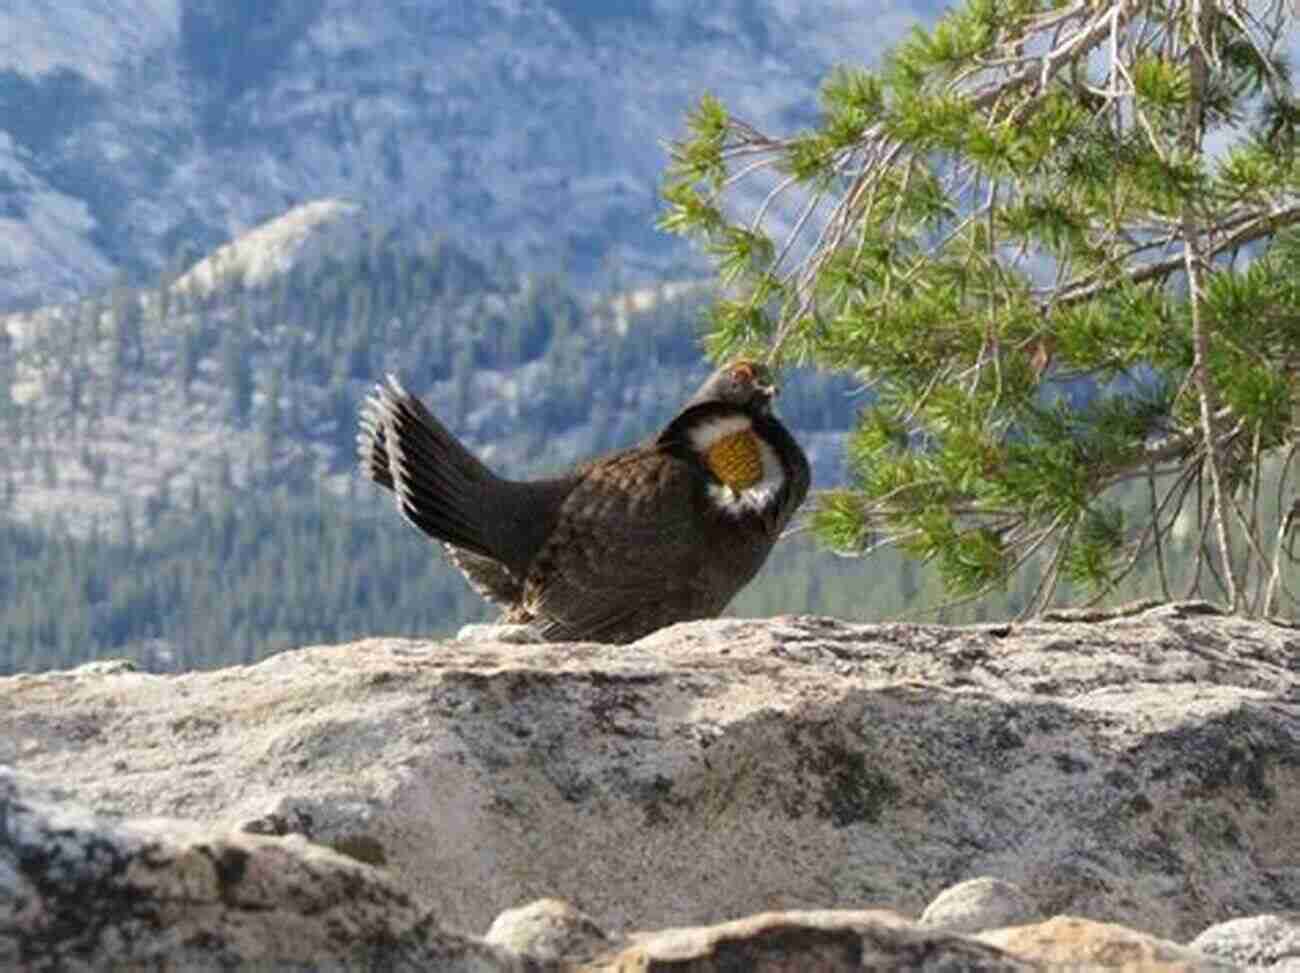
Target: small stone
x=1271, y=941
x=548, y=929
x=978, y=904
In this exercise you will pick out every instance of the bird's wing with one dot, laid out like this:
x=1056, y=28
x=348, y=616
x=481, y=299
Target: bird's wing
x=631, y=551
x=490, y=578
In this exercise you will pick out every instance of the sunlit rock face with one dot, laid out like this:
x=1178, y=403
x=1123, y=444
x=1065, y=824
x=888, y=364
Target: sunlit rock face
x=1138, y=771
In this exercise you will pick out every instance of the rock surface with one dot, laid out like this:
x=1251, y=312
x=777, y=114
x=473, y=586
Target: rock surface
x=87, y=893
x=79, y=892
x=808, y=942
x=1142, y=771
x=1067, y=942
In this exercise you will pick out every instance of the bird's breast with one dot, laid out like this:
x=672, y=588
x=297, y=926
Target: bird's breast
x=748, y=473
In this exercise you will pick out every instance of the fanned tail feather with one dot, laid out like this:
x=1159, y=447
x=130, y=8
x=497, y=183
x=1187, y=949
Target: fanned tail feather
x=372, y=442
x=439, y=485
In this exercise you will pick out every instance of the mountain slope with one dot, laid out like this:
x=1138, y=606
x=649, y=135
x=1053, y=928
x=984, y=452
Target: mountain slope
x=247, y=370
x=180, y=481
x=135, y=136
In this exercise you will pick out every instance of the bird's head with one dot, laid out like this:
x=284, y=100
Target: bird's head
x=745, y=383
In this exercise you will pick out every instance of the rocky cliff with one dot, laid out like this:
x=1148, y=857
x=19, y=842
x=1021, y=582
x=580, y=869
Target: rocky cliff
x=1142, y=771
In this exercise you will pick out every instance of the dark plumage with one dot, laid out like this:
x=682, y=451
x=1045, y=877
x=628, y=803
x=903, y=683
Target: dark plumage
x=665, y=531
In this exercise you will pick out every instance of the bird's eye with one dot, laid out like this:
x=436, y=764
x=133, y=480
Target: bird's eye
x=744, y=372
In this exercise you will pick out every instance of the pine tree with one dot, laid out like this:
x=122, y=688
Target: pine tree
x=188, y=354
x=1057, y=241
x=270, y=420
x=237, y=370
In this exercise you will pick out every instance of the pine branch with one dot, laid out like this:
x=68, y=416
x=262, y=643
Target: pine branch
x=1024, y=200
x=1248, y=230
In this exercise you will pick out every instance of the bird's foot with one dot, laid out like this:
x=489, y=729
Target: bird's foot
x=515, y=634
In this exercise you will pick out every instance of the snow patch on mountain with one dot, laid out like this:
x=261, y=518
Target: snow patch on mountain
x=300, y=238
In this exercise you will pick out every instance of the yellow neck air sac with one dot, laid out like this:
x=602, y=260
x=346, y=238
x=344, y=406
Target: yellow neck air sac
x=735, y=460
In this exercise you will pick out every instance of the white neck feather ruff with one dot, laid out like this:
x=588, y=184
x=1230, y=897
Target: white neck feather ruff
x=757, y=497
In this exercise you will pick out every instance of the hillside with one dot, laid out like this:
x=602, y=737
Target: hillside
x=247, y=369
x=181, y=482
